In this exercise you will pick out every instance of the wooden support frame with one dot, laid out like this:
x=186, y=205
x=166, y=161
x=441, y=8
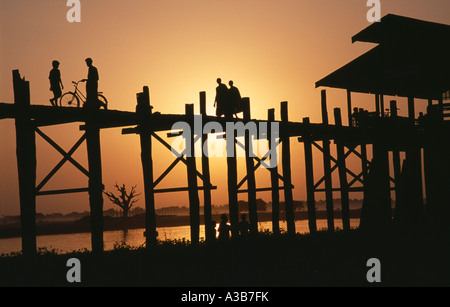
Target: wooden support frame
x=251, y=181
x=26, y=163
x=286, y=166
x=67, y=157
x=327, y=167
x=210, y=232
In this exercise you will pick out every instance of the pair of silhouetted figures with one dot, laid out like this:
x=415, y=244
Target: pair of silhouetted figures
x=228, y=100
x=224, y=228
x=91, y=82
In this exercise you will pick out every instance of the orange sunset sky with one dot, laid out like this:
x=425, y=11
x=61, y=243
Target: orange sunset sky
x=273, y=51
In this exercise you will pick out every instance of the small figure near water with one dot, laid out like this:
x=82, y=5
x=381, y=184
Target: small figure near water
x=244, y=226
x=224, y=228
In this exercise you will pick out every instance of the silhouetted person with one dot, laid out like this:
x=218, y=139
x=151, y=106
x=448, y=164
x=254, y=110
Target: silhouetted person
x=224, y=228
x=221, y=98
x=234, y=97
x=421, y=119
x=355, y=116
x=91, y=82
x=55, y=82
x=213, y=228
x=244, y=226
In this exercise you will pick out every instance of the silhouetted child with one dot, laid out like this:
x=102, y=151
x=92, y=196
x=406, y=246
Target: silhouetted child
x=244, y=226
x=224, y=228
x=55, y=83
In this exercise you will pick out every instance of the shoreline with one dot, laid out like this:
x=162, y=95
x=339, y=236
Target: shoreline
x=110, y=223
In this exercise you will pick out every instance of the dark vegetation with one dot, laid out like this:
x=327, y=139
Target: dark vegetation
x=322, y=259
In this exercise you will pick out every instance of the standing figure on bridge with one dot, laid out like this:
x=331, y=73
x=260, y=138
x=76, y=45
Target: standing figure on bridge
x=221, y=98
x=234, y=96
x=55, y=83
x=91, y=83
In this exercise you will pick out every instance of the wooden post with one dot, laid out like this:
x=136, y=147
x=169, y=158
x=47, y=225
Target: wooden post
x=286, y=164
x=309, y=170
x=251, y=183
x=395, y=155
x=376, y=210
x=411, y=111
x=414, y=160
x=342, y=174
x=232, y=183
x=26, y=163
x=382, y=105
x=273, y=175
x=377, y=104
x=144, y=113
x=95, y=178
x=349, y=108
x=210, y=234
x=194, y=202
x=327, y=167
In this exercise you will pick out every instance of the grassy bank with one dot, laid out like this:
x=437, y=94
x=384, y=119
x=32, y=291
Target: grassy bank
x=265, y=260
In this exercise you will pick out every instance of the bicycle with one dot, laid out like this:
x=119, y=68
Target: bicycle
x=72, y=99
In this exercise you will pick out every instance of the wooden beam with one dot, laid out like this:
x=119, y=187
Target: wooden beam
x=342, y=175
x=251, y=182
x=349, y=108
x=309, y=172
x=144, y=111
x=210, y=232
x=275, y=193
x=286, y=165
x=327, y=167
x=232, y=184
x=95, y=181
x=194, y=202
x=26, y=163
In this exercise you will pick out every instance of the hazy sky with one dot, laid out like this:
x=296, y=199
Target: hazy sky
x=273, y=51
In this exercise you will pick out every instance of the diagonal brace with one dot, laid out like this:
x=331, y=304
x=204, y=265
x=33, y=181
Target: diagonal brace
x=67, y=156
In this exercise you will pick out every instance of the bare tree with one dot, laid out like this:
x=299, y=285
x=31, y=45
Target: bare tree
x=124, y=200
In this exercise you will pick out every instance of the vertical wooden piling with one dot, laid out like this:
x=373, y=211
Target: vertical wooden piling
x=194, y=202
x=232, y=183
x=209, y=228
x=327, y=167
x=251, y=182
x=411, y=110
x=377, y=104
x=26, y=163
x=395, y=155
x=342, y=174
x=95, y=177
x=286, y=165
x=382, y=105
x=274, y=175
x=309, y=171
x=349, y=108
x=144, y=113
x=414, y=156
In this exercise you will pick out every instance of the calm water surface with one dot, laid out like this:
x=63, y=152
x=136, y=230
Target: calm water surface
x=65, y=243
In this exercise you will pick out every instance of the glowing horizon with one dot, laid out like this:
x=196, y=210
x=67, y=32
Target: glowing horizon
x=273, y=51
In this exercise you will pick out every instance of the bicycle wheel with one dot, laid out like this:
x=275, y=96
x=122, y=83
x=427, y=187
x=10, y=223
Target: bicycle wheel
x=103, y=101
x=69, y=99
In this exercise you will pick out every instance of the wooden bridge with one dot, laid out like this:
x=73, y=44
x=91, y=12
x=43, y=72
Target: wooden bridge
x=380, y=134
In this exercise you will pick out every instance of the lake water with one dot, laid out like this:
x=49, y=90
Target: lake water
x=65, y=243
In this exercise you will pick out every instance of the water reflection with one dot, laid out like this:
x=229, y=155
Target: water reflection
x=64, y=243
